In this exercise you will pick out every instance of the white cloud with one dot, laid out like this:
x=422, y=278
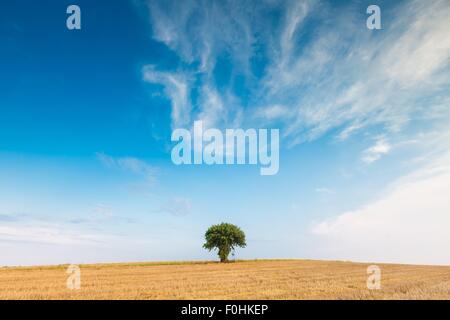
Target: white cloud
x=296, y=14
x=177, y=89
x=50, y=234
x=272, y=112
x=408, y=224
x=374, y=153
x=213, y=109
x=424, y=49
x=201, y=31
x=324, y=190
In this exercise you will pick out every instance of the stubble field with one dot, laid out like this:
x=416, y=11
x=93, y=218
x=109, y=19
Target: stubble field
x=261, y=279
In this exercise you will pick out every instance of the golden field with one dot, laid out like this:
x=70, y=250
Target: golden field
x=259, y=279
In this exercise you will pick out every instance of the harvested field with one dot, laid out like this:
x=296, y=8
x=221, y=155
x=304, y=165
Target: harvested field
x=261, y=279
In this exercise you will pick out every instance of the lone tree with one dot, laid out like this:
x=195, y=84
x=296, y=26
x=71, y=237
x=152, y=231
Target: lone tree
x=225, y=237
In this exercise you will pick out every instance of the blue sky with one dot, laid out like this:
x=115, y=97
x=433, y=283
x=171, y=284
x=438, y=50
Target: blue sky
x=87, y=115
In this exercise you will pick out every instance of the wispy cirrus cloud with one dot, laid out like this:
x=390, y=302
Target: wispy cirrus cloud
x=351, y=78
x=312, y=69
x=100, y=214
x=48, y=234
x=324, y=190
x=9, y=217
x=177, y=88
x=203, y=35
x=177, y=206
x=130, y=164
x=200, y=31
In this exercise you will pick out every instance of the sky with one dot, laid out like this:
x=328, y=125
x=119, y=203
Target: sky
x=86, y=118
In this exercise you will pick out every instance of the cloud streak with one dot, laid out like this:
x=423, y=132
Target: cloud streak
x=177, y=207
x=177, y=88
x=374, y=153
x=129, y=164
x=56, y=235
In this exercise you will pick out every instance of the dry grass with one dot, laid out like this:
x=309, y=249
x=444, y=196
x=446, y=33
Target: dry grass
x=262, y=279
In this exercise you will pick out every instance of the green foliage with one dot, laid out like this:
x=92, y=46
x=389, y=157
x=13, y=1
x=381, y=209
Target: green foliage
x=224, y=237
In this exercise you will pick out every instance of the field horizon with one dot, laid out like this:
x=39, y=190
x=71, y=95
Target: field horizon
x=290, y=279
x=200, y=261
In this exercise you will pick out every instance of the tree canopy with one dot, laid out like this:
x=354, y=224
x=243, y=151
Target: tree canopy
x=224, y=237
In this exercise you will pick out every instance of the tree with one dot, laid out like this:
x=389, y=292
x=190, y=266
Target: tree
x=224, y=237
